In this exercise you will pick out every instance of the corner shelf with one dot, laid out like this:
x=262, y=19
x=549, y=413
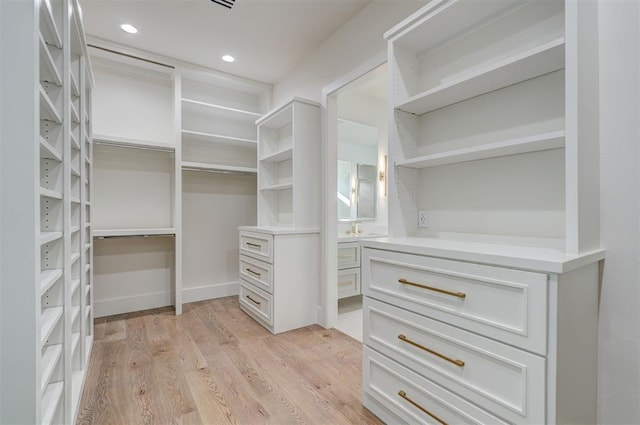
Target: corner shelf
x=48, y=321
x=48, y=278
x=51, y=33
x=540, y=142
x=48, y=151
x=48, y=193
x=50, y=357
x=51, y=401
x=46, y=237
x=47, y=109
x=48, y=69
x=532, y=63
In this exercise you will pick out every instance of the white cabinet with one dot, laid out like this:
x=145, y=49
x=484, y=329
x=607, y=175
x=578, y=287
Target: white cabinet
x=289, y=166
x=47, y=276
x=489, y=312
x=509, y=341
x=348, y=269
x=279, y=276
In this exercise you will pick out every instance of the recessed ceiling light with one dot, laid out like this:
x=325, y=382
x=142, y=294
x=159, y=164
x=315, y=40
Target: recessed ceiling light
x=228, y=58
x=129, y=28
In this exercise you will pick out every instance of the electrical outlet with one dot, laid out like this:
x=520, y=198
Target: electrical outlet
x=423, y=219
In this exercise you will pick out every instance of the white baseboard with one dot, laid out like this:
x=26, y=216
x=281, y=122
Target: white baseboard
x=208, y=292
x=113, y=306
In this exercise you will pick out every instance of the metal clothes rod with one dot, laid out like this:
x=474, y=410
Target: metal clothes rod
x=207, y=170
x=132, y=146
x=165, y=235
x=130, y=56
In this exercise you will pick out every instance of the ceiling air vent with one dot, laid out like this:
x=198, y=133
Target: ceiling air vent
x=226, y=3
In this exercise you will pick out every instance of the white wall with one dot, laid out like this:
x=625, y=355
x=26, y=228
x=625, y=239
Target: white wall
x=352, y=45
x=619, y=338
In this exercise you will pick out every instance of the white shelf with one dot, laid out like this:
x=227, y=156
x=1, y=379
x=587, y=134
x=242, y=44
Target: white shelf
x=526, y=65
x=87, y=246
x=48, y=69
x=75, y=229
x=48, y=193
x=87, y=310
x=50, y=356
x=75, y=257
x=217, y=139
x=275, y=187
x=87, y=268
x=105, y=233
x=46, y=237
x=51, y=402
x=75, y=200
x=48, y=321
x=74, y=114
x=48, y=278
x=224, y=109
x=88, y=345
x=47, y=109
x=124, y=142
x=87, y=289
x=75, y=313
x=48, y=27
x=75, y=284
x=77, y=379
x=75, y=339
x=74, y=170
x=74, y=141
x=48, y=151
x=203, y=166
x=281, y=155
x=75, y=90
x=540, y=142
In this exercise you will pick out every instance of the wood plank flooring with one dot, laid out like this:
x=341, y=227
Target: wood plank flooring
x=215, y=365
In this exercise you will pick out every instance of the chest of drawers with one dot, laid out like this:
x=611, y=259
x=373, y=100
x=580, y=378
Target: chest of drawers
x=348, y=269
x=450, y=341
x=279, y=276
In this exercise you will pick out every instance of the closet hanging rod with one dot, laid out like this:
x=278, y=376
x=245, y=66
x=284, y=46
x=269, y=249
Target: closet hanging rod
x=131, y=56
x=132, y=146
x=210, y=170
x=163, y=235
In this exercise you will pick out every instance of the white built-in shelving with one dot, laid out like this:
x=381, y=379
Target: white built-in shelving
x=493, y=141
x=288, y=169
x=171, y=140
x=46, y=39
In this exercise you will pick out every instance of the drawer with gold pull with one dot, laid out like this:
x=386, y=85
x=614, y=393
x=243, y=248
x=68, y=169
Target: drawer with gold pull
x=505, y=304
x=507, y=381
x=348, y=255
x=348, y=282
x=256, y=302
x=257, y=245
x=257, y=272
x=414, y=399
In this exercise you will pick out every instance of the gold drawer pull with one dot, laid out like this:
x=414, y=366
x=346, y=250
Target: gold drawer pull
x=456, y=362
x=252, y=272
x=431, y=288
x=404, y=396
x=255, y=245
x=252, y=300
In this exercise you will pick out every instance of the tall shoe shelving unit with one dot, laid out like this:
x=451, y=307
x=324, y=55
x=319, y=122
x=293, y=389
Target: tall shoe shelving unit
x=46, y=302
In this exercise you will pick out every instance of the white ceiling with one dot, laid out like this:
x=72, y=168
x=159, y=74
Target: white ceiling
x=267, y=37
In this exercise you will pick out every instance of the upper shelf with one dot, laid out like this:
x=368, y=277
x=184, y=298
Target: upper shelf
x=106, y=233
x=237, y=113
x=124, y=142
x=531, y=63
x=48, y=27
x=217, y=138
x=48, y=68
x=538, y=142
x=222, y=168
x=281, y=155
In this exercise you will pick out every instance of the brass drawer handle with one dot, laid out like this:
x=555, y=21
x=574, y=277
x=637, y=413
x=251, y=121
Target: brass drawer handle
x=456, y=362
x=252, y=272
x=255, y=245
x=431, y=288
x=252, y=300
x=404, y=396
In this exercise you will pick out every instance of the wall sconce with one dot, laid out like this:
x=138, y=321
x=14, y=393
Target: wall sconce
x=383, y=175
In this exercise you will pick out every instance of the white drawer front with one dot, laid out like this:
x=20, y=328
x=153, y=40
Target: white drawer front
x=348, y=255
x=414, y=399
x=256, y=302
x=257, y=272
x=348, y=282
x=505, y=304
x=257, y=245
x=506, y=381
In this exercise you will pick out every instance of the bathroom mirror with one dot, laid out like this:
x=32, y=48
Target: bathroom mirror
x=357, y=170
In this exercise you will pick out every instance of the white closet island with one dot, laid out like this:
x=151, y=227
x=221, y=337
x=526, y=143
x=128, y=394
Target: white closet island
x=487, y=311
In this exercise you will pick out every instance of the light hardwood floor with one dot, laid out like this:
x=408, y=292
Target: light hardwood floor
x=215, y=365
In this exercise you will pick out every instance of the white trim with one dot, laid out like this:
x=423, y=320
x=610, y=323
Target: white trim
x=328, y=308
x=141, y=302
x=208, y=292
